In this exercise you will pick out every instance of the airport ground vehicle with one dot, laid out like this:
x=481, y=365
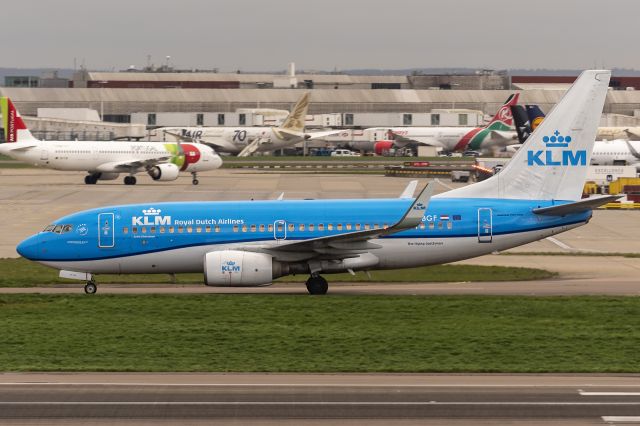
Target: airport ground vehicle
x=344, y=153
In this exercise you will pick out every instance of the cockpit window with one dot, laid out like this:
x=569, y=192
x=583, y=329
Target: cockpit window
x=59, y=229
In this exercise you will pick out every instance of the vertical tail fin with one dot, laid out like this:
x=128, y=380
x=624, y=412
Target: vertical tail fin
x=553, y=163
x=14, y=128
x=296, y=119
x=521, y=122
x=535, y=115
x=503, y=120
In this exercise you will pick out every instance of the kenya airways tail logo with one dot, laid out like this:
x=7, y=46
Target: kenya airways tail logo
x=503, y=116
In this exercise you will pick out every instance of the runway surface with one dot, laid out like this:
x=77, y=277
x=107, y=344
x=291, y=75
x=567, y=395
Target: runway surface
x=306, y=399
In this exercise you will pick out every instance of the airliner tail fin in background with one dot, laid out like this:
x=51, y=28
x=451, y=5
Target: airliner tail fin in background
x=14, y=128
x=553, y=163
x=503, y=120
x=296, y=119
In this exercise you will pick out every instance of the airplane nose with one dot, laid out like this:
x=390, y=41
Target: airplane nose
x=28, y=248
x=217, y=160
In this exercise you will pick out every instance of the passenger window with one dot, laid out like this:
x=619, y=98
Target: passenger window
x=171, y=229
x=152, y=229
x=329, y=226
x=189, y=229
x=339, y=227
x=367, y=226
x=235, y=228
x=385, y=226
x=125, y=230
x=291, y=227
x=143, y=229
x=180, y=229
x=261, y=227
x=280, y=228
x=270, y=228
x=253, y=228
x=348, y=227
x=198, y=229
x=449, y=225
x=376, y=226
x=321, y=227
x=358, y=226
x=439, y=225
x=423, y=226
x=244, y=228
x=217, y=228
x=311, y=227
x=432, y=225
x=301, y=227
x=134, y=230
x=162, y=229
x=207, y=228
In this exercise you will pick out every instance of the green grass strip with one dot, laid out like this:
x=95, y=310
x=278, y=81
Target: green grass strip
x=287, y=333
x=23, y=273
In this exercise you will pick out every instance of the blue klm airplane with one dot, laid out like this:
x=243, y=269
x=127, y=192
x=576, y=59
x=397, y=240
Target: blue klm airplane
x=249, y=243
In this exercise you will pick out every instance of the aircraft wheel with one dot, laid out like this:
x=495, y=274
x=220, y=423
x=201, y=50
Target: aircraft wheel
x=317, y=285
x=195, y=181
x=90, y=180
x=90, y=287
x=129, y=180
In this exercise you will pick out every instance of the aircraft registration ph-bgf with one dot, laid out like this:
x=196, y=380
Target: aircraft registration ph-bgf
x=104, y=160
x=249, y=243
x=245, y=141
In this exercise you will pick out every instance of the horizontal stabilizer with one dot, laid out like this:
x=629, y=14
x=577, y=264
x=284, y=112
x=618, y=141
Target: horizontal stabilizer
x=576, y=207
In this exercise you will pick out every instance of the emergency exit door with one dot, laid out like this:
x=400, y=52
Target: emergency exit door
x=279, y=230
x=106, y=232
x=485, y=225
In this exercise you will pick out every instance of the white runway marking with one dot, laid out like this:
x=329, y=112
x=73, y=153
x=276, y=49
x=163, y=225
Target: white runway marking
x=621, y=419
x=325, y=403
x=559, y=243
x=609, y=393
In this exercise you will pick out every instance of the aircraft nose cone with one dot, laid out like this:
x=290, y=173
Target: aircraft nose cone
x=217, y=161
x=28, y=248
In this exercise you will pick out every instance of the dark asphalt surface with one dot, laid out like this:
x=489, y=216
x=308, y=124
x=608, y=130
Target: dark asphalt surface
x=294, y=401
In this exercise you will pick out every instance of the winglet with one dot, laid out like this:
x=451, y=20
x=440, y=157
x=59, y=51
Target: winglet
x=409, y=190
x=413, y=216
x=281, y=196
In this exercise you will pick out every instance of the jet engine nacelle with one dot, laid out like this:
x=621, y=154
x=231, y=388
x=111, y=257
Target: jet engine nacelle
x=239, y=268
x=382, y=147
x=107, y=176
x=164, y=172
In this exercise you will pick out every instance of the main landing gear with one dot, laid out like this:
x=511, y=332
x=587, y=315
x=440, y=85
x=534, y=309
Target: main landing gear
x=195, y=180
x=317, y=285
x=91, y=179
x=129, y=180
x=90, y=287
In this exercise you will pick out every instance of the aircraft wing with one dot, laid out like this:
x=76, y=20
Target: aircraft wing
x=576, y=207
x=632, y=133
x=320, y=135
x=501, y=136
x=349, y=244
x=126, y=166
x=429, y=141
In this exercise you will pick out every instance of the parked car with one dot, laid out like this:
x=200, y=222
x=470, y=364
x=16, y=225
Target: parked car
x=344, y=153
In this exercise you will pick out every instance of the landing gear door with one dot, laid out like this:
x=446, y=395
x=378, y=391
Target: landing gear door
x=106, y=230
x=279, y=230
x=485, y=225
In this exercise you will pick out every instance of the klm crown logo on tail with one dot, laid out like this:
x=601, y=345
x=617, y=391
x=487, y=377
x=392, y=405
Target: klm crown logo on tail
x=557, y=157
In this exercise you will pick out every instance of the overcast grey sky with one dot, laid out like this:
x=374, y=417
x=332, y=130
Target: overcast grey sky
x=321, y=34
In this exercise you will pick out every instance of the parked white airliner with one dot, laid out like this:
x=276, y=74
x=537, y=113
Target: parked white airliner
x=245, y=141
x=104, y=160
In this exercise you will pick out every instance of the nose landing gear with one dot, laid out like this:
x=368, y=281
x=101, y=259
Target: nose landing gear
x=90, y=287
x=195, y=180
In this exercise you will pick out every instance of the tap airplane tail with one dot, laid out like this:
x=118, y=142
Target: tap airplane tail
x=15, y=130
x=552, y=164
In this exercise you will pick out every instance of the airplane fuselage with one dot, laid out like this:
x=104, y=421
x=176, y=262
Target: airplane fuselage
x=234, y=139
x=616, y=153
x=174, y=237
x=98, y=156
